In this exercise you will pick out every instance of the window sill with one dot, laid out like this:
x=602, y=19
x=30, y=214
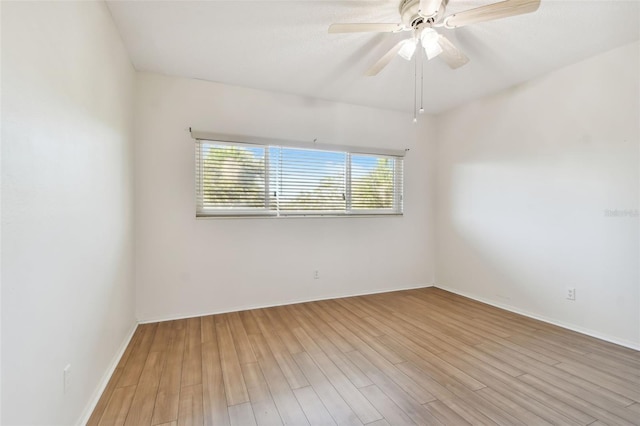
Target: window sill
x=297, y=216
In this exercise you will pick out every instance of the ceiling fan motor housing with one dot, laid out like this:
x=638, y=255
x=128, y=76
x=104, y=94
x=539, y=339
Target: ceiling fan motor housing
x=410, y=17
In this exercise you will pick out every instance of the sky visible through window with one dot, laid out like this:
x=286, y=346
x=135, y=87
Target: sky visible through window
x=328, y=160
x=293, y=179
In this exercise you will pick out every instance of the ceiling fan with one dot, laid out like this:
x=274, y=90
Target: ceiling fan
x=422, y=16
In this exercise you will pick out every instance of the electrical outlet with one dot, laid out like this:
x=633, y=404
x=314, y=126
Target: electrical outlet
x=316, y=275
x=66, y=378
x=571, y=294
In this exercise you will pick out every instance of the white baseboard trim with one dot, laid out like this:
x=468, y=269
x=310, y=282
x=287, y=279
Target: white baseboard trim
x=84, y=418
x=290, y=302
x=572, y=327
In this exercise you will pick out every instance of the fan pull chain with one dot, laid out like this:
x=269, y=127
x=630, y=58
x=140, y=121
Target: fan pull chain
x=421, y=110
x=415, y=90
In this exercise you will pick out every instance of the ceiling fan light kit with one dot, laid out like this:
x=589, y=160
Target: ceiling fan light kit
x=421, y=17
x=408, y=48
x=430, y=40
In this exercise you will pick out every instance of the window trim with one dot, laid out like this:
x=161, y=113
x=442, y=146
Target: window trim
x=266, y=212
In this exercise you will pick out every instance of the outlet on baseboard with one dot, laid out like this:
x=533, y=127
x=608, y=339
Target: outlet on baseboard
x=571, y=294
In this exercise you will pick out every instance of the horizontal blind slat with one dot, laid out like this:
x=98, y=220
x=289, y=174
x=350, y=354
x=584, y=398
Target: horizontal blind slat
x=286, y=180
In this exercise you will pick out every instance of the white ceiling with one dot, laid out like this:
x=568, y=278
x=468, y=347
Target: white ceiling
x=284, y=46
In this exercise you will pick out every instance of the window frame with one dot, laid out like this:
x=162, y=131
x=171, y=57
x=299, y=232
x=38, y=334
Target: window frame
x=397, y=156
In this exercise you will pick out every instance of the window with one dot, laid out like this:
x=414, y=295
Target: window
x=244, y=179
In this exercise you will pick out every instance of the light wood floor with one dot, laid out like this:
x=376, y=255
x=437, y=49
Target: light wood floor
x=413, y=357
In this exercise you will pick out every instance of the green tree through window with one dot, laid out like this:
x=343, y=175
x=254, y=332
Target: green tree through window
x=233, y=177
x=268, y=180
x=372, y=188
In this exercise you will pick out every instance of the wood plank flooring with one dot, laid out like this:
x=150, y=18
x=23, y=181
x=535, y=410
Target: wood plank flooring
x=417, y=357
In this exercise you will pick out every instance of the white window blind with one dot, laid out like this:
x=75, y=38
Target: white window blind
x=241, y=179
x=232, y=177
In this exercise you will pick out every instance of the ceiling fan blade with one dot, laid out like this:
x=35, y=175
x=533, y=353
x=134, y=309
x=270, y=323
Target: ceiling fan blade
x=490, y=12
x=429, y=8
x=364, y=28
x=384, y=61
x=451, y=54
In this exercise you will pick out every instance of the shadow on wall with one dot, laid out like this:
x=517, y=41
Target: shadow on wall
x=514, y=228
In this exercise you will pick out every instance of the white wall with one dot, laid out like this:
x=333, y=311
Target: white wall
x=186, y=266
x=67, y=198
x=524, y=179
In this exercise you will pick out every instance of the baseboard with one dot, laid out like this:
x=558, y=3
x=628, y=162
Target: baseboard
x=572, y=327
x=84, y=418
x=290, y=302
